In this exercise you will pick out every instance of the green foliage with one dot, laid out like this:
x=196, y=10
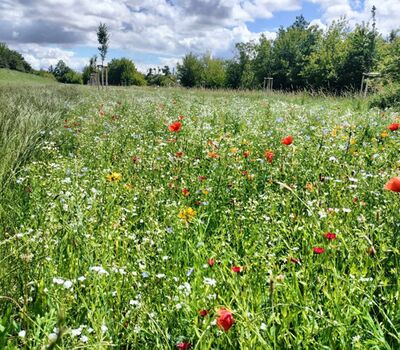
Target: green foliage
x=360, y=56
x=89, y=69
x=123, y=72
x=387, y=97
x=165, y=78
x=13, y=60
x=325, y=64
x=66, y=75
x=190, y=72
x=103, y=37
x=213, y=72
x=292, y=49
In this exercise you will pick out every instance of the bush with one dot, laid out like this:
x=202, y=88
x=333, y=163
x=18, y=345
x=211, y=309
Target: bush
x=388, y=97
x=123, y=72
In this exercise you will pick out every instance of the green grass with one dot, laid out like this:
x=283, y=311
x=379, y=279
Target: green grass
x=13, y=77
x=86, y=262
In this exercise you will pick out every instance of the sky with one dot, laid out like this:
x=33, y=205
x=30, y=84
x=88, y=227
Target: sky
x=160, y=32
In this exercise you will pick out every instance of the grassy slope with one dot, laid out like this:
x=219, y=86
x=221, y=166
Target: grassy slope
x=12, y=77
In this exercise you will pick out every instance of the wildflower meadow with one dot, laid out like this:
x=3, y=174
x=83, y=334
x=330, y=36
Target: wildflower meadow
x=145, y=218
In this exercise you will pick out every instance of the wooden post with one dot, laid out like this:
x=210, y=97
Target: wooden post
x=106, y=68
x=264, y=83
x=362, y=84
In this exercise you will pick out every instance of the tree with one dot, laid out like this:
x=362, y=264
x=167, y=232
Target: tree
x=190, y=71
x=89, y=69
x=103, y=38
x=13, y=60
x=123, y=72
x=325, y=63
x=292, y=49
x=263, y=60
x=213, y=72
x=360, y=56
x=66, y=75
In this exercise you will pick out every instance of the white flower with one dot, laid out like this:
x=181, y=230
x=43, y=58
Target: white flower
x=346, y=210
x=67, y=284
x=76, y=332
x=160, y=275
x=186, y=288
x=22, y=334
x=84, y=339
x=81, y=278
x=99, y=269
x=104, y=328
x=263, y=326
x=135, y=303
x=52, y=337
x=210, y=281
x=57, y=280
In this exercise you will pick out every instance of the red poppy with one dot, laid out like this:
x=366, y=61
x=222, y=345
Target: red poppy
x=330, y=235
x=183, y=345
x=269, y=155
x=175, y=127
x=181, y=117
x=287, y=140
x=202, y=178
x=318, y=250
x=245, y=172
x=203, y=313
x=236, y=269
x=211, y=262
x=394, y=126
x=185, y=192
x=179, y=154
x=246, y=154
x=225, y=319
x=393, y=184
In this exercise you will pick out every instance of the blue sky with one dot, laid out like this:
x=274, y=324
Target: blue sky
x=159, y=32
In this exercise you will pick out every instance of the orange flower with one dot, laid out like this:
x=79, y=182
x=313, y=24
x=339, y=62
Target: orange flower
x=269, y=155
x=288, y=140
x=393, y=184
x=309, y=187
x=225, y=319
x=175, y=127
x=213, y=155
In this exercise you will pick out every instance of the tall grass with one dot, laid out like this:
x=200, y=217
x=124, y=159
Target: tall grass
x=89, y=260
x=27, y=116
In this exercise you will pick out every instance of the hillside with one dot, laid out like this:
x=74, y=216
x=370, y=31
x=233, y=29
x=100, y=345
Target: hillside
x=13, y=77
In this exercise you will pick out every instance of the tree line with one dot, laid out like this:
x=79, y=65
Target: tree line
x=300, y=57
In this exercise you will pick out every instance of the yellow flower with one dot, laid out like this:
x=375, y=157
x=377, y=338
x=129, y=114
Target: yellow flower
x=114, y=177
x=233, y=150
x=384, y=134
x=353, y=141
x=187, y=214
x=309, y=187
x=205, y=192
